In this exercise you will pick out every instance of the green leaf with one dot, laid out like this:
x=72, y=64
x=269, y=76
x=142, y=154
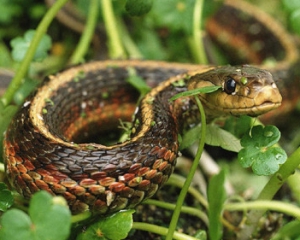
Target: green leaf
x=215, y=136
x=291, y=5
x=193, y=92
x=15, y=230
x=201, y=235
x=49, y=218
x=9, y=9
x=25, y=89
x=259, y=151
x=5, y=60
x=216, y=198
x=20, y=46
x=138, y=7
x=150, y=45
x=176, y=14
x=238, y=126
x=190, y=137
x=137, y=82
x=6, y=197
x=291, y=230
x=295, y=20
x=115, y=227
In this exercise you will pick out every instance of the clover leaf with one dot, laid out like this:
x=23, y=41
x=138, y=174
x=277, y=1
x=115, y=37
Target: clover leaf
x=115, y=226
x=259, y=151
x=20, y=46
x=6, y=197
x=49, y=218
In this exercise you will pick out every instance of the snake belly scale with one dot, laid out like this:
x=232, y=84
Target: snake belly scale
x=45, y=145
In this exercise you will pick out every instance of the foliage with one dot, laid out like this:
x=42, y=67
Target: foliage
x=6, y=197
x=161, y=31
x=21, y=45
x=48, y=218
x=106, y=228
x=259, y=151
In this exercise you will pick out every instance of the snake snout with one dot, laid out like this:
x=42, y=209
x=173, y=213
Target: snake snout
x=267, y=98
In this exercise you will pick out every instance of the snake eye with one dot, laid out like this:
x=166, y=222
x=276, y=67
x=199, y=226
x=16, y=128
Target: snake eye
x=229, y=86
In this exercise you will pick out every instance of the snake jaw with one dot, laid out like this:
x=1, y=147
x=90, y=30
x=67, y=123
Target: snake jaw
x=267, y=99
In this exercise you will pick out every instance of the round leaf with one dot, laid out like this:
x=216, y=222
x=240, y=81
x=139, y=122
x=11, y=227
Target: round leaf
x=20, y=46
x=50, y=219
x=106, y=228
x=6, y=197
x=15, y=225
x=47, y=220
x=259, y=152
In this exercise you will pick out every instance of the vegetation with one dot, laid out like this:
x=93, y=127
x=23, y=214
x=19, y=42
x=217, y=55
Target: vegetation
x=147, y=29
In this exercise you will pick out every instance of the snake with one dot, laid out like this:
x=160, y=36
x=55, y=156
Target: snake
x=49, y=145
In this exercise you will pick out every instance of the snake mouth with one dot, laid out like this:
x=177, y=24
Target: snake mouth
x=264, y=108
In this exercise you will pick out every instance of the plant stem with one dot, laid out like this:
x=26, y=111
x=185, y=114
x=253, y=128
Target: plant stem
x=114, y=41
x=278, y=206
x=189, y=178
x=159, y=230
x=269, y=191
x=131, y=48
x=196, y=42
x=87, y=34
x=189, y=210
x=178, y=181
x=2, y=168
x=80, y=217
x=23, y=68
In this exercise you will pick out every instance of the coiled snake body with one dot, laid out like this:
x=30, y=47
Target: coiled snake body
x=45, y=145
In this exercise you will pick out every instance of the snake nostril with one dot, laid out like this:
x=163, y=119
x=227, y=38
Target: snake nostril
x=257, y=84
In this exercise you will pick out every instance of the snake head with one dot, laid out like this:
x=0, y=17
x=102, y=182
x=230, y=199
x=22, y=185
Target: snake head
x=244, y=90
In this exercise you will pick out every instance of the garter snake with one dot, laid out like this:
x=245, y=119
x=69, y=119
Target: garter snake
x=45, y=146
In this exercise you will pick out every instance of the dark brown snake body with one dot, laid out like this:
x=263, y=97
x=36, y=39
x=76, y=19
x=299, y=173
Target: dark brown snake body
x=45, y=145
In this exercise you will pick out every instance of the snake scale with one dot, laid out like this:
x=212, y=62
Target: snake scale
x=45, y=146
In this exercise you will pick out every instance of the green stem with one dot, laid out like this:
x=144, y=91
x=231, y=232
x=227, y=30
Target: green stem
x=278, y=206
x=268, y=192
x=160, y=230
x=114, y=40
x=189, y=178
x=81, y=217
x=2, y=168
x=23, y=68
x=88, y=33
x=293, y=182
x=130, y=46
x=196, y=42
x=189, y=210
x=178, y=181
